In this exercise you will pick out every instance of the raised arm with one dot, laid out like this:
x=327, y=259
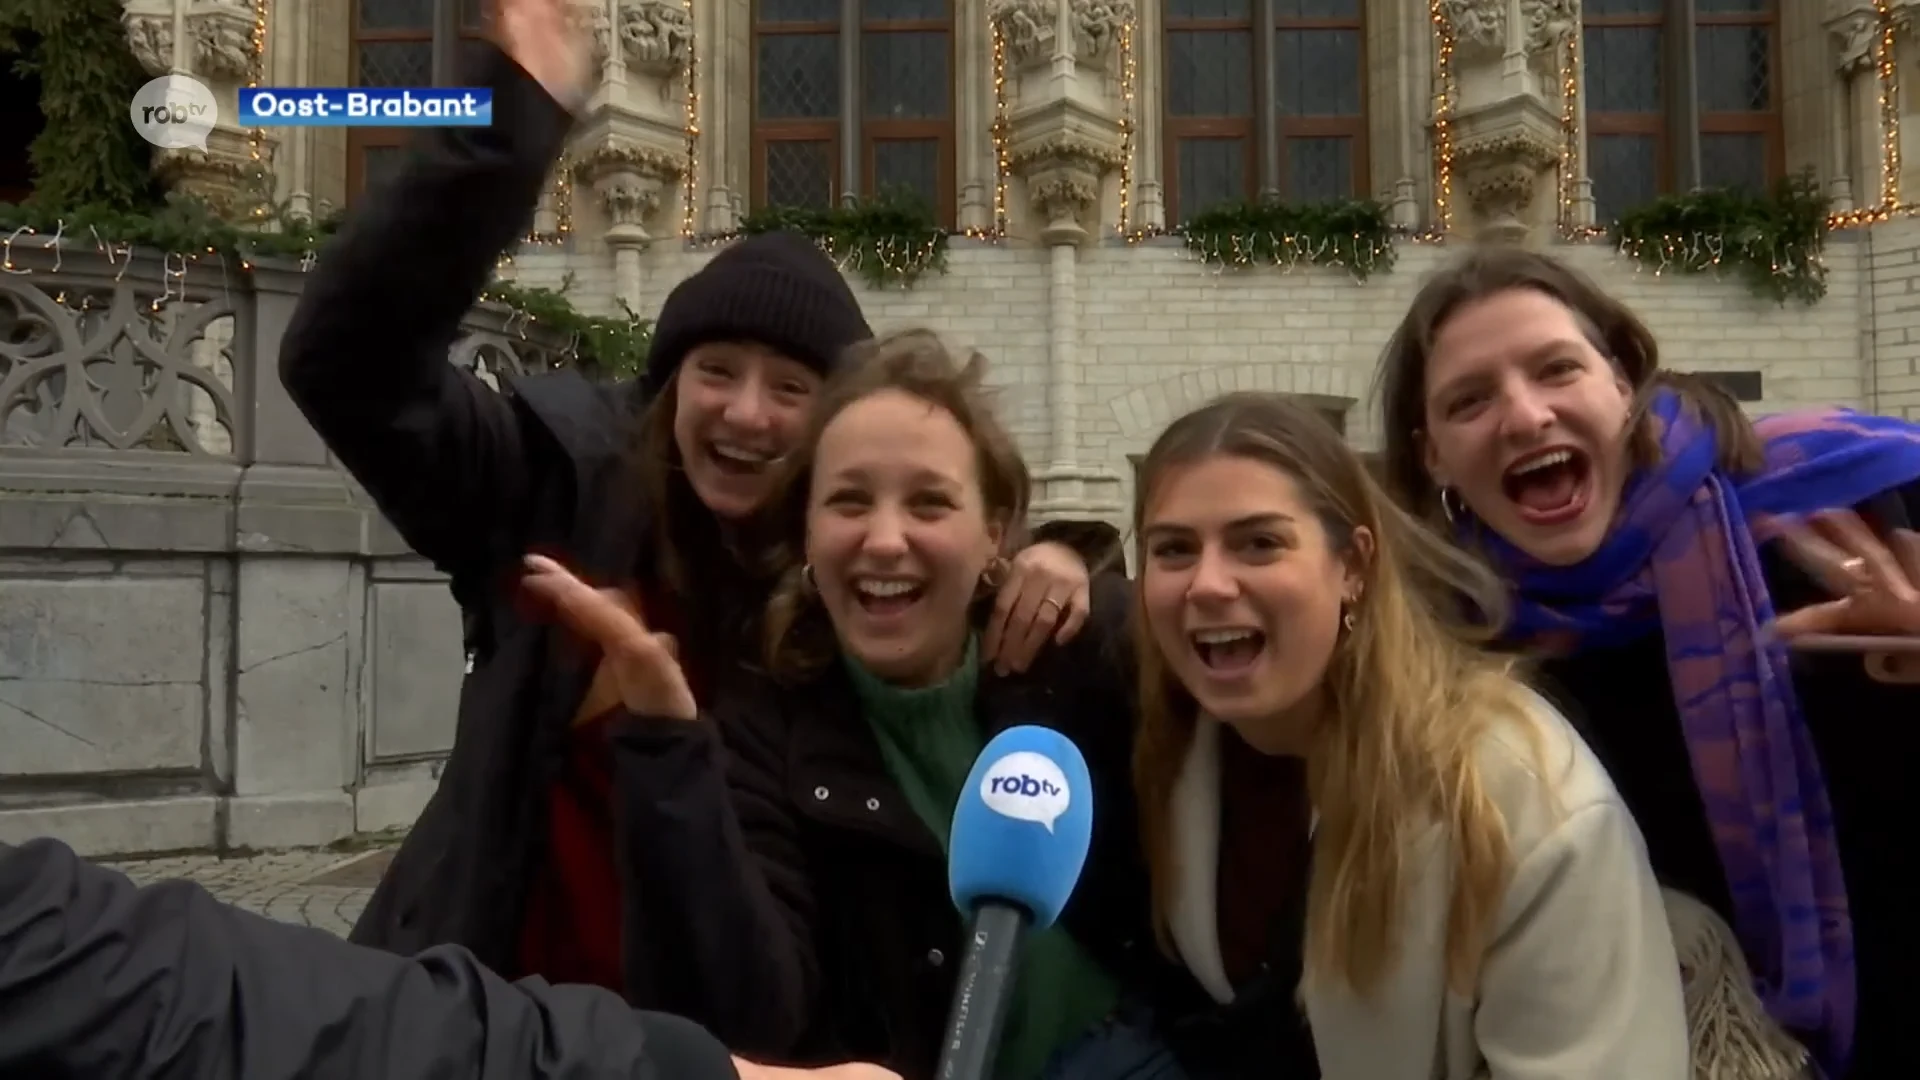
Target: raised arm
x=1582, y=982
x=448, y=460
x=102, y=979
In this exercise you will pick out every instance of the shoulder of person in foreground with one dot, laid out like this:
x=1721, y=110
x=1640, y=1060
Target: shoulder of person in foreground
x=103, y=979
x=1580, y=980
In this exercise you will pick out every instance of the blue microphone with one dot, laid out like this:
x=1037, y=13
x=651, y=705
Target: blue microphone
x=1020, y=837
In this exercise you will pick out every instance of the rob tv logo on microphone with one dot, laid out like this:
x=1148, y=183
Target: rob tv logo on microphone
x=1026, y=786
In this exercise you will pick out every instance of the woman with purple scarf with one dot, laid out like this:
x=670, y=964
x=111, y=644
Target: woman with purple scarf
x=1681, y=571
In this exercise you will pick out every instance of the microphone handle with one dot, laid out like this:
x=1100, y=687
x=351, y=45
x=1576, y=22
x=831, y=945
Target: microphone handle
x=983, y=992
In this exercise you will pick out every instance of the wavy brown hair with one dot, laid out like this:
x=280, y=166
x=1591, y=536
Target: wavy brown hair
x=799, y=639
x=1613, y=330
x=1412, y=700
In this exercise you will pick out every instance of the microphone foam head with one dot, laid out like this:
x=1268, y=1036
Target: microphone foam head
x=1023, y=824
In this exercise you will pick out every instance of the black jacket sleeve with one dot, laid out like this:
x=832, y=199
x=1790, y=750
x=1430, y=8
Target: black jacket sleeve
x=106, y=981
x=719, y=905
x=448, y=460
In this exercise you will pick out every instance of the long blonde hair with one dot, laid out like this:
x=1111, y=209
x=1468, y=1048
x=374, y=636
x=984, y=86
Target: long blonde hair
x=1412, y=697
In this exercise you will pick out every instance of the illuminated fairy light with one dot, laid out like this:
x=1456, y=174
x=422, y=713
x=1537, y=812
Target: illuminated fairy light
x=690, y=181
x=1002, y=132
x=1887, y=71
x=562, y=192
x=1129, y=75
x=256, y=137
x=1569, y=130
x=1443, y=120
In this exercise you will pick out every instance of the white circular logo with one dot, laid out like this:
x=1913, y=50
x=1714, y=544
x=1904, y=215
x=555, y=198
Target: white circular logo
x=175, y=112
x=1027, y=787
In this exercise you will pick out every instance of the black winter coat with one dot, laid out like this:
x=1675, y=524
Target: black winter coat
x=106, y=981
x=824, y=891
x=473, y=478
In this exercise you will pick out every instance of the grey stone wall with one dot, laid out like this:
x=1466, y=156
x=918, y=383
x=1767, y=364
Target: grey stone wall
x=209, y=638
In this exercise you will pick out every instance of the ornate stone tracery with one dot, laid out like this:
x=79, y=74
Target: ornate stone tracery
x=1507, y=124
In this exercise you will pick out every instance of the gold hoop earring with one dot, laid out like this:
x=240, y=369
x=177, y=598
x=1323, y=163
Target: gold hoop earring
x=1346, y=619
x=994, y=574
x=1448, y=498
x=807, y=584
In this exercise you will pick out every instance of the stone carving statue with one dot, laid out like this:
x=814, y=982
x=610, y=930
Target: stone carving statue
x=150, y=36
x=656, y=36
x=1026, y=28
x=592, y=19
x=1096, y=29
x=222, y=36
x=1478, y=25
x=1855, y=26
x=1550, y=25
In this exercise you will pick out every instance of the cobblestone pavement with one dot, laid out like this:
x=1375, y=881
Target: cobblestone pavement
x=323, y=889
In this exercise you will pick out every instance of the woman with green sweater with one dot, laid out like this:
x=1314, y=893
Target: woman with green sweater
x=820, y=840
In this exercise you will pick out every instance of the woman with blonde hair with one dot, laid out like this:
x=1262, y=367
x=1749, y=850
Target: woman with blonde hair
x=1343, y=799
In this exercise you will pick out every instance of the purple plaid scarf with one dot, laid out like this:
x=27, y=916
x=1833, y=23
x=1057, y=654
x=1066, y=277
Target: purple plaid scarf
x=1682, y=557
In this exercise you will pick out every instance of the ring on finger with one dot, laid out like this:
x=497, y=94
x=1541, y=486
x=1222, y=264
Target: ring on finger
x=1854, y=566
x=1058, y=607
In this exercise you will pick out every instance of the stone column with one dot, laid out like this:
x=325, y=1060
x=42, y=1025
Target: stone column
x=1064, y=143
x=1853, y=176
x=631, y=147
x=217, y=42
x=632, y=183
x=1506, y=123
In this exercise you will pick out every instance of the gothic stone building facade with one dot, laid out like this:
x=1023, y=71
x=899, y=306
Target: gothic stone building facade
x=1059, y=139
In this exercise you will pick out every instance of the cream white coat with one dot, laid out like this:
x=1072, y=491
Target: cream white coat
x=1580, y=982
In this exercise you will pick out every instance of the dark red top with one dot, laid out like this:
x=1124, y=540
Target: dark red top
x=1265, y=818
x=572, y=932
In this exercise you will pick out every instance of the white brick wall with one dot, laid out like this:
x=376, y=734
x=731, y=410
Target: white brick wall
x=1160, y=333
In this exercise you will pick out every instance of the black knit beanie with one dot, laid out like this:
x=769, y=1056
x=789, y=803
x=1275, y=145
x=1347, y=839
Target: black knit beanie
x=775, y=289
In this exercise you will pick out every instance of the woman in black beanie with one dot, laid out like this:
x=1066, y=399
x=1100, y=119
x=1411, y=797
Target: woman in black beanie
x=518, y=856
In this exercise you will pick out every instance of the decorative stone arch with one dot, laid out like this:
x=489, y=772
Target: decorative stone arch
x=1144, y=411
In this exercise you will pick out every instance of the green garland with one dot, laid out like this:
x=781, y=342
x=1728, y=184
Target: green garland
x=612, y=346
x=1353, y=234
x=1773, y=242
x=181, y=224
x=87, y=153
x=888, y=239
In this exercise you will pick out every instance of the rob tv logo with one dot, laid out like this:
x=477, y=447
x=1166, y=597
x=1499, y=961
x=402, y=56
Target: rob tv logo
x=1026, y=786
x=175, y=112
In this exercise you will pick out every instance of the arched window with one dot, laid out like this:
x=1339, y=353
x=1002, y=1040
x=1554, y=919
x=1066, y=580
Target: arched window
x=1680, y=94
x=393, y=46
x=1264, y=97
x=818, y=136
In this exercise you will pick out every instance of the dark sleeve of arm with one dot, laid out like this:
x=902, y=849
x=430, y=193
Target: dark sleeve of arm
x=365, y=356
x=101, y=979
x=1096, y=542
x=719, y=906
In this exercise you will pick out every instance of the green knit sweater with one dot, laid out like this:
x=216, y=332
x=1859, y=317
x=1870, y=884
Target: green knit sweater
x=929, y=739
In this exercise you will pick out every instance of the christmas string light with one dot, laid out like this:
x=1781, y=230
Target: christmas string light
x=1128, y=76
x=1569, y=133
x=1002, y=132
x=1443, y=119
x=256, y=72
x=562, y=192
x=689, y=180
x=1887, y=72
